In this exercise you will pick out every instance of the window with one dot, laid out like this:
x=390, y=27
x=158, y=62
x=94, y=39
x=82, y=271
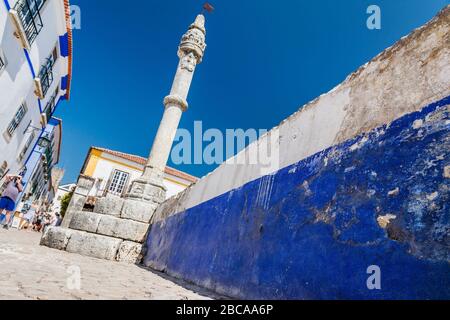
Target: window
x=29, y=15
x=51, y=104
x=46, y=146
x=3, y=169
x=55, y=54
x=46, y=74
x=20, y=114
x=118, y=182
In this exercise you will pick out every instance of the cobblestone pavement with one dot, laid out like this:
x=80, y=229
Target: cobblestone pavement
x=30, y=271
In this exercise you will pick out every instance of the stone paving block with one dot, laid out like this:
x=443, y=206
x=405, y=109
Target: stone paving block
x=43, y=272
x=110, y=205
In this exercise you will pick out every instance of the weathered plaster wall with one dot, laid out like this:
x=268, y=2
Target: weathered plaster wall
x=321, y=226
x=364, y=181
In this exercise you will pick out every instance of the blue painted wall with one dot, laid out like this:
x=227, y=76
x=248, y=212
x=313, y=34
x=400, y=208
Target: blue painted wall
x=315, y=234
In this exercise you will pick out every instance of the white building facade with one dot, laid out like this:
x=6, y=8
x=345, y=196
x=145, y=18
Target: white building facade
x=114, y=172
x=35, y=76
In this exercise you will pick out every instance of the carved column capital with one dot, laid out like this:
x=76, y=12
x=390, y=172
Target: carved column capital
x=194, y=40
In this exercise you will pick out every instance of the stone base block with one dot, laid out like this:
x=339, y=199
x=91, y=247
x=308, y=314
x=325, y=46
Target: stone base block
x=136, y=210
x=93, y=245
x=84, y=243
x=85, y=221
x=129, y=252
x=122, y=228
x=56, y=238
x=110, y=205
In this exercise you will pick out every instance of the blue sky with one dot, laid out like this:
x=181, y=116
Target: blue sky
x=264, y=60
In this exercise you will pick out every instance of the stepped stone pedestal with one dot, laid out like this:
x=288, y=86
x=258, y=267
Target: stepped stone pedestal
x=114, y=231
x=91, y=244
x=102, y=234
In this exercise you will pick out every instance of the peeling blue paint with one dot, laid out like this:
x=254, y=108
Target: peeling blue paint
x=316, y=233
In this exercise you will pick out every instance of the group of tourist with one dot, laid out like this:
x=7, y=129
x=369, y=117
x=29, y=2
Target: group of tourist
x=36, y=219
x=33, y=218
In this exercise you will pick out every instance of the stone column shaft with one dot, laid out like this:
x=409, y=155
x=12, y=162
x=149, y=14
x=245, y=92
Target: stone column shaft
x=164, y=139
x=182, y=81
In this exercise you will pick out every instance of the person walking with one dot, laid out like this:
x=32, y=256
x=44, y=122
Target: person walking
x=9, y=197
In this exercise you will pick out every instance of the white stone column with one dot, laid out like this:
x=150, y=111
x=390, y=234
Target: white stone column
x=149, y=187
x=117, y=228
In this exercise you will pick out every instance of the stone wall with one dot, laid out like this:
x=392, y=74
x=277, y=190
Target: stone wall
x=363, y=179
x=115, y=230
x=79, y=197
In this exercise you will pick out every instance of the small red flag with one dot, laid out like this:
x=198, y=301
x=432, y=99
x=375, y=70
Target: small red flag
x=208, y=7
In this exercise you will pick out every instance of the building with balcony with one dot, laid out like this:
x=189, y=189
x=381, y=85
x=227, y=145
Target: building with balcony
x=41, y=176
x=35, y=76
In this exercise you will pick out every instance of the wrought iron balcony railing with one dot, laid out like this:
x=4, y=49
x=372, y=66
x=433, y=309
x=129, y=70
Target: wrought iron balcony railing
x=45, y=146
x=29, y=15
